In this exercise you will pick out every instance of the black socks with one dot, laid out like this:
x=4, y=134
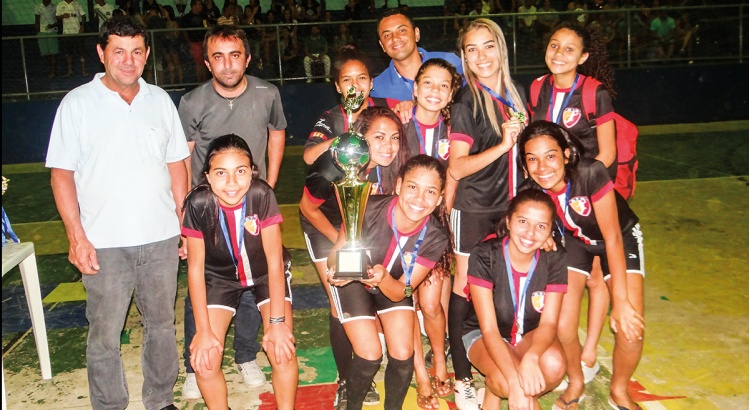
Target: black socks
x=398, y=375
x=359, y=379
x=458, y=309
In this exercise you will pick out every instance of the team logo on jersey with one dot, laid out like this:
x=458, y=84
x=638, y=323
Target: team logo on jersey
x=318, y=134
x=444, y=148
x=322, y=123
x=537, y=300
x=251, y=225
x=581, y=205
x=570, y=116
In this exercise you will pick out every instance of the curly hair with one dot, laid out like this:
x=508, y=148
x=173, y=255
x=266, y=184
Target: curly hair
x=597, y=65
x=455, y=83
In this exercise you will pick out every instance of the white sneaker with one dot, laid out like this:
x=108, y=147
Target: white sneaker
x=465, y=396
x=251, y=374
x=589, y=372
x=563, y=385
x=190, y=390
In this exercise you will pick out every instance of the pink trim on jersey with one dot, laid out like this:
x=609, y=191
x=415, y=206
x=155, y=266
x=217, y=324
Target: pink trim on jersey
x=312, y=199
x=605, y=189
x=558, y=288
x=274, y=220
x=392, y=102
x=605, y=118
x=238, y=253
x=191, y=233
x=231, y=208
x=480, y=282
x=457, y=136
x=425, y=262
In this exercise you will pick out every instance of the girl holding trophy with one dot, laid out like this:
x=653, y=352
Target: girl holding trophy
x=576, y=56
x=321, y=218
x=231, y=224
x=407, y=236
x=596, y=221
x=486, y=119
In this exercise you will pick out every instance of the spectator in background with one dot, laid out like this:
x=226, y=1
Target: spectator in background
x=316, y=50
x=310, y=11
x=102, y=12
x=329, y=30
x=211, y=12
x=181, y=6
x=46, y=27
x=252, y=18
x=685, y=32
x=662, y=31
x=528, y=22
x=450, y=8
x=580, y=8
x=343, y=37
x=290, y=23
x=195, y=19
x=547, y=19
x=461, y=21
x=172, y=47
x=155, y=63
x=227, y=16
x=477, y=9
x=268, y=38
x=289, y=53
x=150, y=5
x=73, y=18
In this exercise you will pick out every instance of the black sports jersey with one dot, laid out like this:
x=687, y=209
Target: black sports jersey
x=261, y=211
x=333, y=123
x=431, y=140
x=319, y=189
x=591, y=184
x=377, y=235
x=487, y=268
x=491, y=188
x=573, y=118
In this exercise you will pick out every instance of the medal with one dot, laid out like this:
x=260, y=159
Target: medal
x=408, y=291
x=520, y=116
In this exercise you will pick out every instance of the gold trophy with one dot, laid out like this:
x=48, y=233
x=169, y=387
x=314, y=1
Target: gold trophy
x=351, y=153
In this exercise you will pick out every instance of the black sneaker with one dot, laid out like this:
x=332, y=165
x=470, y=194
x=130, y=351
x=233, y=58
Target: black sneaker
x=339, y=402
x=372, y=397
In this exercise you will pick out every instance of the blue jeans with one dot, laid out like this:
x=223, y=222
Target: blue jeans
x=151, y=271
x=246, y=325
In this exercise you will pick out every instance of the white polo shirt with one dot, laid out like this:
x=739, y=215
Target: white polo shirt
x=119, y=154
x=46, y=17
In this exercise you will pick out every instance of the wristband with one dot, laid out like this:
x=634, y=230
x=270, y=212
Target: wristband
x=276, y=320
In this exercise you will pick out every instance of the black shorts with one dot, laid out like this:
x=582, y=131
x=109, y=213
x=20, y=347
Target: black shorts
x=471, y=228
x=224, y=293
x=318, y=245
x=355, y=302
x=579, y=256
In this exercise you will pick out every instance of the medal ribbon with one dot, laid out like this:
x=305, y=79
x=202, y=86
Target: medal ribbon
x=565, y=213
x=422, y=144
x=498, y=97
x=223, y=223
x=565, y=103
x=529, y=275
x=410, y=267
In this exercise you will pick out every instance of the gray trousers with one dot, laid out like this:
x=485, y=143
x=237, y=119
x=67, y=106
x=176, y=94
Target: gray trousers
x=151, y=271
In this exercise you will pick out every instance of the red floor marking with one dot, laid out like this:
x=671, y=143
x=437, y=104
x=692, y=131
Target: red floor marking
x=639, y=394
x=317, y=397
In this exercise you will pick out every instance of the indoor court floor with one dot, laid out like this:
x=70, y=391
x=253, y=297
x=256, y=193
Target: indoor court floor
x=692, y=200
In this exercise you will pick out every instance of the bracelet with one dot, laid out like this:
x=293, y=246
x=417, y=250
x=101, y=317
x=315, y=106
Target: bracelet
x=276, y=320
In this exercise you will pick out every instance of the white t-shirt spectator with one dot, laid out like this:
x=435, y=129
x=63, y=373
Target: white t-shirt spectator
x=46, y=17
x=72, y=24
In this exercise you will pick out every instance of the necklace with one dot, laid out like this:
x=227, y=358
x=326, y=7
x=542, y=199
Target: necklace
x=231, y=101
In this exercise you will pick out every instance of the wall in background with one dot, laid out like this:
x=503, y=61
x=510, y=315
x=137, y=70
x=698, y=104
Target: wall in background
x=665, y=95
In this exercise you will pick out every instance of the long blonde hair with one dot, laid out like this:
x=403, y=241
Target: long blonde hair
x=506, y=85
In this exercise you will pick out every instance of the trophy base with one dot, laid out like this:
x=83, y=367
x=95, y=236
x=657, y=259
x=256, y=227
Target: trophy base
x=351, y=264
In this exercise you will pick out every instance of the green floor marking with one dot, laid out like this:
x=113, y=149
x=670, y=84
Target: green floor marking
x=66, y=292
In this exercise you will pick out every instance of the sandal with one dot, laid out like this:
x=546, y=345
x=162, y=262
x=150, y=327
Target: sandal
x=616, y=406
x=441, y=388
x=566, y=405
x=427, y=402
